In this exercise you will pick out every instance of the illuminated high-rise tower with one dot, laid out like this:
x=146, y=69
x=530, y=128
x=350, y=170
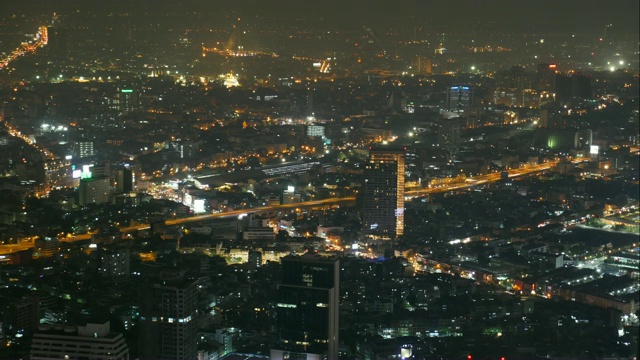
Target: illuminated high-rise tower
x=126, y=101
x=459, y=98
x=383, y=193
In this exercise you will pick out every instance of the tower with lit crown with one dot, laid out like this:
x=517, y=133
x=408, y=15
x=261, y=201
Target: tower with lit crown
x=383, y=193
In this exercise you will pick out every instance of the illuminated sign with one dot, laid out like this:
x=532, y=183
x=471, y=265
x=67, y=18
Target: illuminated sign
x=198, y=206
x=127, y=90
x=86, y=172
x=594, y=149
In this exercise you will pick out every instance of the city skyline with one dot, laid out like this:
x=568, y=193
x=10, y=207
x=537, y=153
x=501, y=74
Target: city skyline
x=295, y=180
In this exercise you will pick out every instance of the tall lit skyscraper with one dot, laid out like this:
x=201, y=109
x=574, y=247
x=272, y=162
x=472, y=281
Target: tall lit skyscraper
x=308, y=308
x=459, y=98
x=383, y=193
x=127, y=101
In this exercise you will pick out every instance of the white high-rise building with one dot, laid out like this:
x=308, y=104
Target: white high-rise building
x=94, y=190
x=91, y=341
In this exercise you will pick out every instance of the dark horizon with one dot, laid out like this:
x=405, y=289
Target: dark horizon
x=506, y=15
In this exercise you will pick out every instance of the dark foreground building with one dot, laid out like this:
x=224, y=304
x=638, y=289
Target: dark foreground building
x=168, y=308
x=308, y=308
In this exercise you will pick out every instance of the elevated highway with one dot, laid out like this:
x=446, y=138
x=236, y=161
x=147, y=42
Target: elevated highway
x=478, y=180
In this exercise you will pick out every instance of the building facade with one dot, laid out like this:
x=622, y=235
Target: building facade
x=124, y=182
x=459, y=98
x=168, y=328
x=308, y=307
x=82, y=149
x=94, y=190
x=383, y=193
x=449, y=130
x=114, y=263
x=47, y=246
x=91, y=341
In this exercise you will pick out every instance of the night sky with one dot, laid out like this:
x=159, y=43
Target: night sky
x=508, y=15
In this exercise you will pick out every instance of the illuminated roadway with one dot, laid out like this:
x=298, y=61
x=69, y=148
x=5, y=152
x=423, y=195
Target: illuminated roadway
x=477, y=180
x=16, y=133
x=41, y=39
x=482, y=179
